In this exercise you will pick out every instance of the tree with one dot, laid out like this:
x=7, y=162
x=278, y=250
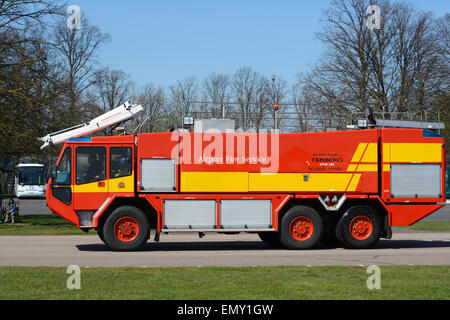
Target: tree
x=77, y=50
x=249, y=91
x=27, y=75
x=216, y=89
x=154, y=102
x=184, y=94
x=394, y=69
x=112, y=87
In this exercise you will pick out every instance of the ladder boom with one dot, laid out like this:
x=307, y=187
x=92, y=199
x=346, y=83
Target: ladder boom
x=110, y=118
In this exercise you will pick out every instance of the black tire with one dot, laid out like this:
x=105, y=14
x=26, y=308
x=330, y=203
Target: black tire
x=137, y=239
x=296, y=216
x=270, y=238
x=100, y=234
x=359, y=239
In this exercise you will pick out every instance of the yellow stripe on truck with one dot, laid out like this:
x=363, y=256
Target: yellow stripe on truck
x=303, y=182
x=367, y=168
x=362, y=168
x=359, y=152
x=90, y=187
x=371, y=154
x=386, y=152
x=276, y=182
x=354, y=182
x=214, y=182
x=413, y=152
x=122, y=184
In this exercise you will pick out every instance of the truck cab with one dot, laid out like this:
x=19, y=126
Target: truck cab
x=89, y=172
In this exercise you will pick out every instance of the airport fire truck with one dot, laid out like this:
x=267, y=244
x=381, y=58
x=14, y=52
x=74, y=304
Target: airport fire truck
x=292, y=189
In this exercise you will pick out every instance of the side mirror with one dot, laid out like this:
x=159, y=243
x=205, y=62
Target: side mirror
x=53, y=176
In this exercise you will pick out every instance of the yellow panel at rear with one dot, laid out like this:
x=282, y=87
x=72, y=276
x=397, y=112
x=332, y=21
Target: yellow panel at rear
x=302, y=182
x=371, y=154
x=122, y=184
x=415, y=152
x=214, y=182
x=386, y=152
x=354, y=182
x=367, y=168
x=359, y=152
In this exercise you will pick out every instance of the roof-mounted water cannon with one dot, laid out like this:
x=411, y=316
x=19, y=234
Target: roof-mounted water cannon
x=111, y=118
x=369, y=122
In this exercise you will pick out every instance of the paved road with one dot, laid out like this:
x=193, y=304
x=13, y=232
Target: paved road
x=440, y=215
x=420, y=248
x=38, y=206
x=31, y=206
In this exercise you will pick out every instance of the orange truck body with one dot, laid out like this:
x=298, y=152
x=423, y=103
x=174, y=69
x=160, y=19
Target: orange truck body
x=330, y=171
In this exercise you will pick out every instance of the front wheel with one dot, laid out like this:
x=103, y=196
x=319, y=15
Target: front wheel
x=359, y=227
x=100, y=234
x=301, y=228
x=126, y=229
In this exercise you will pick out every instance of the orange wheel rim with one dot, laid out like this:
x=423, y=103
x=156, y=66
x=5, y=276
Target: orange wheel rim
x=301, y=228
x=361, y=227
x=126, y=229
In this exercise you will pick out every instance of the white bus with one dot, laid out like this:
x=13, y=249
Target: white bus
x=30, y=181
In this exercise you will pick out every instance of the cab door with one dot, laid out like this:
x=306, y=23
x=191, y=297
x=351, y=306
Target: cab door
x=61, y=185
x=90, y=189
x=121, y=170
x=60, y=189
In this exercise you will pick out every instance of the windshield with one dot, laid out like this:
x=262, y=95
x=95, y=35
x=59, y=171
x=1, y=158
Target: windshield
x=31, y=175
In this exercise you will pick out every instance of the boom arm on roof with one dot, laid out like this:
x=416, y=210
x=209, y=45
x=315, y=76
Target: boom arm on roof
x=110, y=118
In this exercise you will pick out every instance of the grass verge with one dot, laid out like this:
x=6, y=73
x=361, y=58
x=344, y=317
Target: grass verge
x=437, y=226
x=40, y=225
x=220, y=283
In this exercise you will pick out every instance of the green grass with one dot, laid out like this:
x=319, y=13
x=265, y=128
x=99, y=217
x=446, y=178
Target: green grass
x=438, y=226
x=40, y=225
x=220, y=283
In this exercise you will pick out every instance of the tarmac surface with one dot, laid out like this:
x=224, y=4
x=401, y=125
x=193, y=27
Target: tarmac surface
x=405, y=248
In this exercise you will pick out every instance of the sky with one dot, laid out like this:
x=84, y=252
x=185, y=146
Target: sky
x=162, y=41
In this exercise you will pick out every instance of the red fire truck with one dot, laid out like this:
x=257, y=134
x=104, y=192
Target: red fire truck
x=294, y=189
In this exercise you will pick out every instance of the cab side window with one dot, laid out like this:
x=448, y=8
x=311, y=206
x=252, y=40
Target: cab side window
x=63, y=169
x=121, y=162
x=90, y=164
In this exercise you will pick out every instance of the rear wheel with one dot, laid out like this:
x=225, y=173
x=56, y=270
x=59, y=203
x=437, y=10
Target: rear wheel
x=270, y=238
x=359, y=227
x=126, y=229
x=301, y=228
